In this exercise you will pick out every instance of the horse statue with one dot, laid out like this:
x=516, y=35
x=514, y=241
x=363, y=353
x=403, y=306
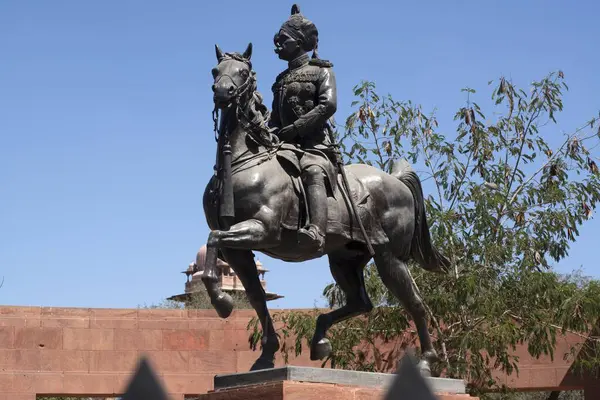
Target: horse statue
x=255, y=202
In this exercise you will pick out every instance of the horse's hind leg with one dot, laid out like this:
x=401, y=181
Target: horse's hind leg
x=396, y=277
x=242, y=262
x=347, y=270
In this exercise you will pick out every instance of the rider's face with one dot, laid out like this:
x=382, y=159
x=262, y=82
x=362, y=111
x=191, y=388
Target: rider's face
x=285, y=46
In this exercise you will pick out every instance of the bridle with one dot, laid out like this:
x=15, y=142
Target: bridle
x=235, y=104
x=225, y=166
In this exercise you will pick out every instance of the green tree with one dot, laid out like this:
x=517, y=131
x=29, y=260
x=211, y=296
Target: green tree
x=507, y=195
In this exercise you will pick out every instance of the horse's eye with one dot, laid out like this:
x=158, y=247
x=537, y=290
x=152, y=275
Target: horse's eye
x=244, y=73
x=215, y=72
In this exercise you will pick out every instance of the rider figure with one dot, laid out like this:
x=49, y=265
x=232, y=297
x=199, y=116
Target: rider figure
x=304, y=98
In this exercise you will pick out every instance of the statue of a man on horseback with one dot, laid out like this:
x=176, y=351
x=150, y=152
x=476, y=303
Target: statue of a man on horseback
x=304, y=99
x=254, y=200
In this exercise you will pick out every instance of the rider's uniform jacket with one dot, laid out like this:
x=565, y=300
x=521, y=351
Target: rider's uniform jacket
x=305, y=95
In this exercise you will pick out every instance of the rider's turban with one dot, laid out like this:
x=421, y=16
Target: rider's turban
x=301, y=28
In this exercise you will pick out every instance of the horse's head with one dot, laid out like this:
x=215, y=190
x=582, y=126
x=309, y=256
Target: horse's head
x=233, y=76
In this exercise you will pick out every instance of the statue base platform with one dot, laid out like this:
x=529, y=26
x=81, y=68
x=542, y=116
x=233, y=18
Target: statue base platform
x=305, y=383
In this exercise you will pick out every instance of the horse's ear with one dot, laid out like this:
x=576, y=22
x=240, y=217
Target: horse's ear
x=219, y=53
x=295, y=9
x=248, y=53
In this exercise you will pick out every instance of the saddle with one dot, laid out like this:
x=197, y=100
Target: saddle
x=340, y=219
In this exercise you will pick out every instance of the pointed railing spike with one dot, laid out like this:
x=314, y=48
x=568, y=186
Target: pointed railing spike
x=145, y=383
x=408, y=382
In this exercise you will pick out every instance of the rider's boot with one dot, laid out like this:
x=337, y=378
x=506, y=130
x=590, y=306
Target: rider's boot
x=312, y=236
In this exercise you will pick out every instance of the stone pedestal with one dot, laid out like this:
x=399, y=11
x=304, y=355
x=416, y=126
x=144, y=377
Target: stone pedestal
x=304, y=383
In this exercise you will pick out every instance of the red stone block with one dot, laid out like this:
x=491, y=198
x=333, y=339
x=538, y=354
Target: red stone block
x=185, y=339
x=49, y=383
x=541, y=377
x=109, y=323
x=188, y=383
x=238, y=324
x=68, y=322
x=11, y=321
x=90, y=384
x=18, y=360
x=113, y=313
x=33, y=338
x=207, y=323
x=20, y=312
x=17, y=396
x=245, y=314
x=113, y=361
x=64, y=360
x=24, y=382
x=6, y=382
x=172, y=323
x=169, y=361
x=208, y=313
x=368, y=394
x=88, y=339
x=316, y=391
x=161, y=314
x=21, y=322
x=245, y=359
x=33, y=322
x=7, y=337
x=64, y=312
x=7, y=359
x=114, y=318
x=216, y=362
x=138, y=339
x=121, y=382
x=228, y=340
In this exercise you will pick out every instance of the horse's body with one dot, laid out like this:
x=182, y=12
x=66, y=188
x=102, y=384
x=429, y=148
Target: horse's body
x=268, y=206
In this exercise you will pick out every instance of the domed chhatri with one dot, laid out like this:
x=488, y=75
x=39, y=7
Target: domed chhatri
x=228, y=280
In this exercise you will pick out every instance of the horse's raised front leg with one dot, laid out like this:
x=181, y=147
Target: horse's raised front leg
x=242, y=262
x=246, y=235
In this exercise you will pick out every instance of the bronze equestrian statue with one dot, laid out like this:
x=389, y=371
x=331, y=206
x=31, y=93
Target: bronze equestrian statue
x=279, y=188
x=304, y=99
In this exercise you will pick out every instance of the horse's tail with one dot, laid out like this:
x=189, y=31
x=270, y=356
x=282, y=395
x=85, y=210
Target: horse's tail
x=422, y=249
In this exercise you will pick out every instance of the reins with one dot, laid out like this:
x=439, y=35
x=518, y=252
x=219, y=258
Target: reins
x=256, y=131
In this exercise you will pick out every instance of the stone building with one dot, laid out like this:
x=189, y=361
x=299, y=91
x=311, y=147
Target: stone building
x=228, y=280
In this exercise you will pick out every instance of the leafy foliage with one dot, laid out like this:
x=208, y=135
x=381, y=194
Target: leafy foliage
x=507, y=198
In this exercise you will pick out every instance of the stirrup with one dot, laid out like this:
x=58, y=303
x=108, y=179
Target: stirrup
x=311, y=237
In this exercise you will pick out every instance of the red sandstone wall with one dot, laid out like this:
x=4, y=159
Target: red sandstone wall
x=93, y=351
x=79, y=351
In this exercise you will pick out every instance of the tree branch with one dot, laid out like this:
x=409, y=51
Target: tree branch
x=552, y=158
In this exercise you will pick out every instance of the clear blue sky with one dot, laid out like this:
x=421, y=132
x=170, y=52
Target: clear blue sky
x=106, y=139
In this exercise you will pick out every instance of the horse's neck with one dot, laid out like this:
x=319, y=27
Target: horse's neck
x=238, y=139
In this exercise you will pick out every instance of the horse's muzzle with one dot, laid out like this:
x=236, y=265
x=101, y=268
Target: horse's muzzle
x=223, y=94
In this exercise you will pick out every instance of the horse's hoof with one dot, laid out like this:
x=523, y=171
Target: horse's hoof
x=322, y=349
x=223, y=304
x=424, y=368
x=262, y=363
